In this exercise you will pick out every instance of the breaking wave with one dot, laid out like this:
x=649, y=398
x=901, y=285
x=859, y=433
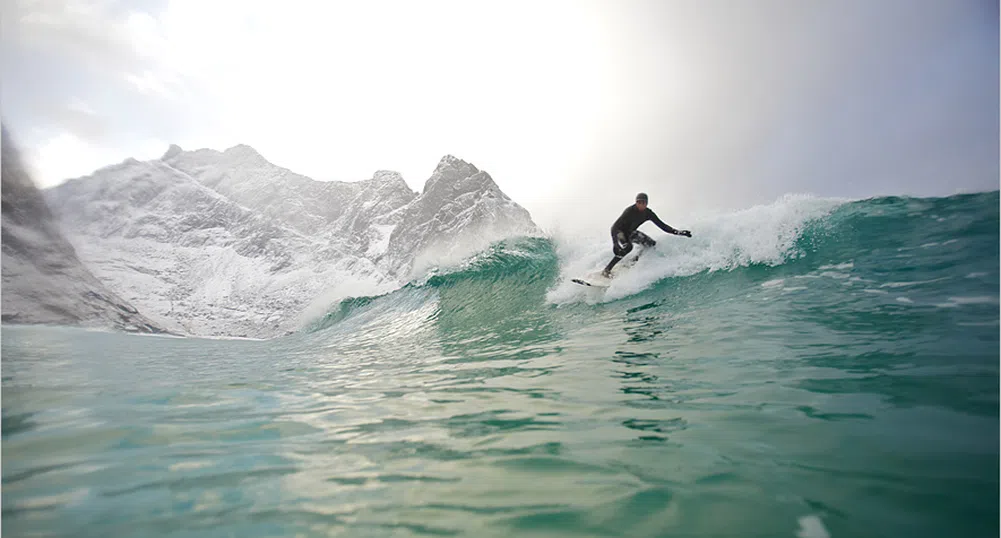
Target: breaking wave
x=795, y=240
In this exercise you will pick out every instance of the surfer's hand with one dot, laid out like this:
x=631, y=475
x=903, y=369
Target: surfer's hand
x=685, y=233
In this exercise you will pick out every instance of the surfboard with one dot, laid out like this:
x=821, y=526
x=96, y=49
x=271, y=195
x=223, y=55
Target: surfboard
x=593, y=280
x=597, y=280
x=583, y=282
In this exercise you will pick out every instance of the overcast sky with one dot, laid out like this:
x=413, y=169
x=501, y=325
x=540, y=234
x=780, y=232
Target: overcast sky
x=572, y=106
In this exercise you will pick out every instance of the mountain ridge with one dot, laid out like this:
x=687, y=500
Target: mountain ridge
x=226, y=243
x=44, y=281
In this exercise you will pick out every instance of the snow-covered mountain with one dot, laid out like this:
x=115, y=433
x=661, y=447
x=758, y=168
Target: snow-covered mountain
x=338, y=210
x=43, y=280
x=228, y=244
x=460, y=210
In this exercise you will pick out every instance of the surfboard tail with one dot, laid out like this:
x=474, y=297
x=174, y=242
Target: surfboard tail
x=583, y=282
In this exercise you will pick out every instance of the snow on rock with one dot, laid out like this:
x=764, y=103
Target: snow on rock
x=379, y=240
x=213, y=243
x=196, y=261
x=43, y=280
x=460, y=211
x=331, y=208
x=172, y=151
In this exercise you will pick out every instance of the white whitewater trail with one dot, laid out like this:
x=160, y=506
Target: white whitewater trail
x=763, y=234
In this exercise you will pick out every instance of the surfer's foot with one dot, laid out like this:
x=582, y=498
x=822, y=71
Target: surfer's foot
x=606, y=273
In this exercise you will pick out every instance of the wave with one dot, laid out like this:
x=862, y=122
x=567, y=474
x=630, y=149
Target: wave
x=507, y=276
x=796, y=235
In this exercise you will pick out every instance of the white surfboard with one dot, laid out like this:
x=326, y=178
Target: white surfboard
x=583, y=282
x=594, y=280
x=597, y=280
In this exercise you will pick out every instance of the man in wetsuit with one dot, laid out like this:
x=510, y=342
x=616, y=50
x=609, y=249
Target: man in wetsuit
x=625, y=233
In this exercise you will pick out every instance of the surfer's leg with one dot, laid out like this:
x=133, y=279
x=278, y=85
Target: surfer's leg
x=607, y=271
x=620, y=245
x=641, y=238
x=620, y=250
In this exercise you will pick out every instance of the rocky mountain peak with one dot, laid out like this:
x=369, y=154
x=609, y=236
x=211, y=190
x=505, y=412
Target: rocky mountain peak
x=448, y=175
x=172, y=151
x=387, y=176
x=242, y=150
x=245, y=153
x=450, y=164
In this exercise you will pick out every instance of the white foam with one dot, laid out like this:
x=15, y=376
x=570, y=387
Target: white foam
x=812, y=527
x=188, y=465
x=455, y=253
x=956, y=302
x=904, y=300
x=764, y=234
x=343, y=285
x=839, y=267
x=57, y=500
x=912, y=283
x=983, y=299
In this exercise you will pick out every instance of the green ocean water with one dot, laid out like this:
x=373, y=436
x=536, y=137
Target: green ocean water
x=809, y=368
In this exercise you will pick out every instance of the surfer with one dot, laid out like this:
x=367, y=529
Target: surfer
x=625, y=233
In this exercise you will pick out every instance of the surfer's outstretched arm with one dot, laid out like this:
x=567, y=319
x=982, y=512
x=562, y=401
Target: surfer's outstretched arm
x=663, y=226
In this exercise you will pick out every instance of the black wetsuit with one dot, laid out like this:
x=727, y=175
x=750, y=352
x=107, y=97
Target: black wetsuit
x=625, y=233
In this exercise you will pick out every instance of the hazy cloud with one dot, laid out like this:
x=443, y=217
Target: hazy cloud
x=96, y=31
x=78, y=118
x=571, y=105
